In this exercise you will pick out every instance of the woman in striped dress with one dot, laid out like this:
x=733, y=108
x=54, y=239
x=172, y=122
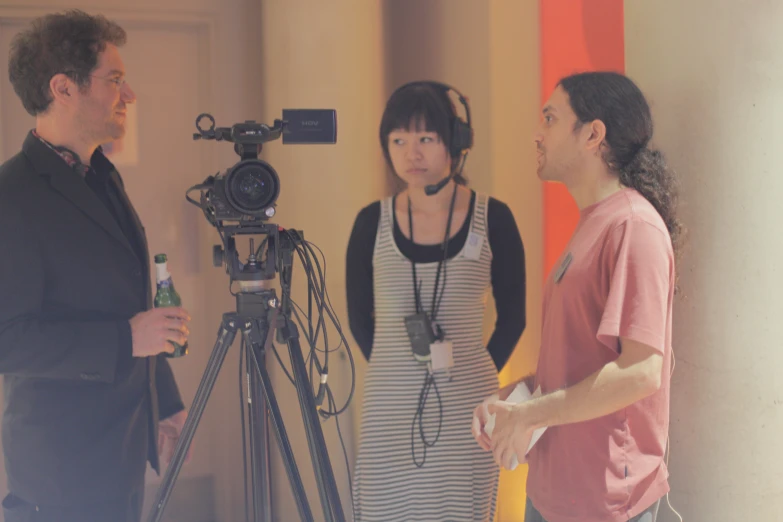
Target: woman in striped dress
x=417, y=458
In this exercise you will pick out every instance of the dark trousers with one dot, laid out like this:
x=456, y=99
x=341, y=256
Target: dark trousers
x=648, y=515
x=126, y=509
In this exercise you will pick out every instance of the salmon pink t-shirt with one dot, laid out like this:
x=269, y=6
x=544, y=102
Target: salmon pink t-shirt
x=615, y=279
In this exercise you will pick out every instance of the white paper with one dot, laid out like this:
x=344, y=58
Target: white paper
x=520, y=394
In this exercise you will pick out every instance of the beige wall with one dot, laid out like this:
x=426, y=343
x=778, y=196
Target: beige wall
x=713, y=71
x=334, y=60
x=514, y=94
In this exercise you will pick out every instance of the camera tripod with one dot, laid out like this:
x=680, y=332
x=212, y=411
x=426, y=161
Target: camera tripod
x=258, y=313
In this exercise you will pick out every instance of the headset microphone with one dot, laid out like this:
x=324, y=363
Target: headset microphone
x=431, y=190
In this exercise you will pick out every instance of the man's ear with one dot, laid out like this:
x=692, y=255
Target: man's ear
x=62, y=88
x=597, y=135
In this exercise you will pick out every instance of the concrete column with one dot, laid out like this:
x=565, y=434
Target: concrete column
x=713, y=72
x=514, y=112
x=323, y=55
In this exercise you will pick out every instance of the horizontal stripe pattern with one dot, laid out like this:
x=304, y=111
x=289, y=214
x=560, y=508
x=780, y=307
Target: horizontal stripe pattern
x=458, y=481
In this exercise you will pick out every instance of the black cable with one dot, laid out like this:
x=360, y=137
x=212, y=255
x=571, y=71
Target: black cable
x=429, y=382
x=437, y=297
x=317, y=286
x=326, y=297
x=312, y=359
x=342, y=443
x=333, y=315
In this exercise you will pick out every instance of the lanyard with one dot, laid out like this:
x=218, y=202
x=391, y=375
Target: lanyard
x=444, y=246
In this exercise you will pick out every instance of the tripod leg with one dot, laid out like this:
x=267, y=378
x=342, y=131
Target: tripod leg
x=255, y=341
x=225, y=338
x=259, y=443
x=327, y=485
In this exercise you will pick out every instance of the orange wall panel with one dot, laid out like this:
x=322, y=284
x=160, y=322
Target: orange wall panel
x=576, y=36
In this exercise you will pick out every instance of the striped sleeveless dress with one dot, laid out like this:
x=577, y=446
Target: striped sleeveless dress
x=458, y=481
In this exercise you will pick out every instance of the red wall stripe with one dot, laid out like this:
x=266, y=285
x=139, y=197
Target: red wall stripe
x=576, y=36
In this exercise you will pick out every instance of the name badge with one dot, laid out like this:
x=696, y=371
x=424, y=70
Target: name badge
x=442, y=355
x=473, y=246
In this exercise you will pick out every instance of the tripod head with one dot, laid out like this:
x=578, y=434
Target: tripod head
x=263, y=263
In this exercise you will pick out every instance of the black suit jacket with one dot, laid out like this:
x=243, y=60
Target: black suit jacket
x=81, y=413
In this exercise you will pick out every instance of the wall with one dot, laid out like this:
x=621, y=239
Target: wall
x=332, y=60
x=713, y=73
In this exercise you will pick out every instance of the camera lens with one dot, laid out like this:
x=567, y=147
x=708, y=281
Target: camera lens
x=252, y=186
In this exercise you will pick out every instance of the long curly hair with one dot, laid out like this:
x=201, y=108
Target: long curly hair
x=620, y=105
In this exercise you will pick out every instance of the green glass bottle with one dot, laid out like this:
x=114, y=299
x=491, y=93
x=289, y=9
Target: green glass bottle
x=167, y=296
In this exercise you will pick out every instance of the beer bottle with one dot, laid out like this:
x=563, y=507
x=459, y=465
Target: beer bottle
x=167, y=296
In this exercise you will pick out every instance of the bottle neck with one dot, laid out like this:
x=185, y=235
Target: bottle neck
x=162, y=273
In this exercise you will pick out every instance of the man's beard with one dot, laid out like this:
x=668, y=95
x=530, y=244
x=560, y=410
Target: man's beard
x=116, y=130
x=105, y=131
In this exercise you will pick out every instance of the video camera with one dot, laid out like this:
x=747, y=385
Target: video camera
x=246, y=193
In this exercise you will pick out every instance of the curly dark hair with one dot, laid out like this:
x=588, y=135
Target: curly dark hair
x=616, y=100
x=67, y=43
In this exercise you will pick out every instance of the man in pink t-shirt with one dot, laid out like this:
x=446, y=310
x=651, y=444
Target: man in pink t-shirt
x=604, y=366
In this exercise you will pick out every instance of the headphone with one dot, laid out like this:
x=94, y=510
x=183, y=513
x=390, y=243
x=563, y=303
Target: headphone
x=461, y=130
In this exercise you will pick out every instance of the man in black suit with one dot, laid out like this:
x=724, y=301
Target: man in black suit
x=87, y=385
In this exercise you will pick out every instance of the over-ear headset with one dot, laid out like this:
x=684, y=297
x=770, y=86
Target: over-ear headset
x=461, y=131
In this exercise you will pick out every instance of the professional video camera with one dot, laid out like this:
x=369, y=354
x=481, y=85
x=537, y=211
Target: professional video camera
x=247, y=192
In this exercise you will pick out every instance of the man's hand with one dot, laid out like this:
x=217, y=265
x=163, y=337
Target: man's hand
x=169, y=430
x=480, y=418
x=512, y=433
x=152, y=330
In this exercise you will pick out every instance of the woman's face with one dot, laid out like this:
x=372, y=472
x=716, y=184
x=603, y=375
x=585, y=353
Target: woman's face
x=419, y=157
